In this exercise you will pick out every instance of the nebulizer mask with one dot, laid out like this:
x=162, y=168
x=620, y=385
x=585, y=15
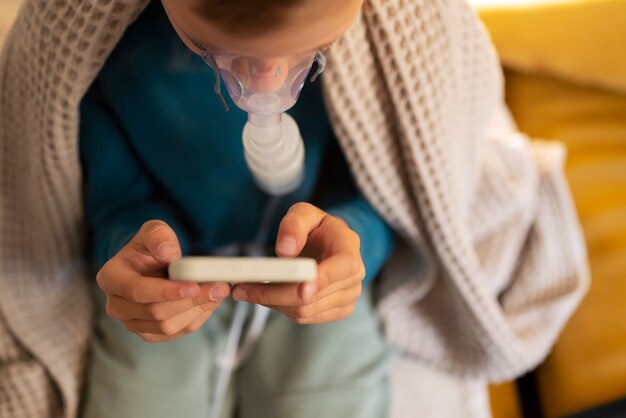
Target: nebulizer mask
x=265, y=88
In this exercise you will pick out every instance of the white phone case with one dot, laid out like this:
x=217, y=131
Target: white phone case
x=243, y=269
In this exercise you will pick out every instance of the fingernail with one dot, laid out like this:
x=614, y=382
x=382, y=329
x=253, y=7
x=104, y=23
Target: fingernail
x=287, y=246
x=189, y=292
x=219, y=292
x=167, y=250
x=308, y=291
x=240, y=295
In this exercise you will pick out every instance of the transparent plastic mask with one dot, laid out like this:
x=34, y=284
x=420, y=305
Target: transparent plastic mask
x=261, y=85
x=265, y=85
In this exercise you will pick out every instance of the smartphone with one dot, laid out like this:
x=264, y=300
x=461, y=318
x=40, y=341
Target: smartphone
x=243, y=269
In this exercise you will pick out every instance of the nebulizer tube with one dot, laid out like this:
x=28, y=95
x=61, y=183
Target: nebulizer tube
x=274, y=152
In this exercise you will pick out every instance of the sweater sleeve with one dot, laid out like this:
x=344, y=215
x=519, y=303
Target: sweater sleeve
x=119, y=194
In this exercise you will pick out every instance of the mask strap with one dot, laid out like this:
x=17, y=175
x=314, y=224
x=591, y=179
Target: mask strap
x=321, y=64
x=210, y=61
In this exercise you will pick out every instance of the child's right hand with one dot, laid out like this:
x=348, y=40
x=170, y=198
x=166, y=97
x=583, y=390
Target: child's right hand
x=139, y=294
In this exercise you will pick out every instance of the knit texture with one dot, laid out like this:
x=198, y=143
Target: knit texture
x=415, y=95
x=492, y=261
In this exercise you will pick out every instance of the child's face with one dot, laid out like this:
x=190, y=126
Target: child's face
x=309, y=27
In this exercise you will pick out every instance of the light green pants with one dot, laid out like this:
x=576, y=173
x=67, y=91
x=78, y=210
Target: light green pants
x=297, y=371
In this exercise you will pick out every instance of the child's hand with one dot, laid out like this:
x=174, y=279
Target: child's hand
x=140, y=295
x=308, y=231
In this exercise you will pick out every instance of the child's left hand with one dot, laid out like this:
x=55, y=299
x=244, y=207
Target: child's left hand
x=310, y=232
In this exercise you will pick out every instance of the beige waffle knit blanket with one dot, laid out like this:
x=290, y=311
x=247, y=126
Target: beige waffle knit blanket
x=492, y=264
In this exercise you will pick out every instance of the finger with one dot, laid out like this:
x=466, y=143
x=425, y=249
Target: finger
x=269, y=294
x=331, y=272
x=156, y=240
x=295, y=226
x=170, y=326
x=199, y=321
x=330, y=315
x=116, y=279
x=338, y=299
x=285, y=294
x=336, y=286
x=124, y=309
x=342, y=266
x=339, y=271
x=193, y=327
x=334, y=236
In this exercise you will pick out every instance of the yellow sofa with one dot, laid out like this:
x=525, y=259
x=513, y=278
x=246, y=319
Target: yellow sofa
x=8, y=10
x=565, y=67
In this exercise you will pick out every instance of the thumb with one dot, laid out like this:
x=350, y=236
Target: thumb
x=157, y=239
x=294, y=229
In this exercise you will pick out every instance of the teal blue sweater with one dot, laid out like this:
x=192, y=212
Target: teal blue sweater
x=155, y=143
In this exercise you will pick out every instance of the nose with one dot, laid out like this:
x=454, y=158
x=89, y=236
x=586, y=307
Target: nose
x=267, y=67
x=261, y=75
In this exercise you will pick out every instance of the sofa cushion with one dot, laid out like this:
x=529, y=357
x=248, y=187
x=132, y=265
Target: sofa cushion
x=579, y=40
x=587, y=367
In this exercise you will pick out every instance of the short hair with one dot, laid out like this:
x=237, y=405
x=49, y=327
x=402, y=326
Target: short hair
x=246, y=17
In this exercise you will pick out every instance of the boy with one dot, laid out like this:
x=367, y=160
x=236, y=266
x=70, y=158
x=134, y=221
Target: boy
x=494, y=264
x=165, y=176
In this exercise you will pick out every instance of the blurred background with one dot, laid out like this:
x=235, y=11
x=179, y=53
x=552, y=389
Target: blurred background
x=8, y=8
x=565, y=67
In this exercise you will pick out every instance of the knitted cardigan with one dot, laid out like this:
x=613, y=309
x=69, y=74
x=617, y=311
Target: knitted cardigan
x=491, y=261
